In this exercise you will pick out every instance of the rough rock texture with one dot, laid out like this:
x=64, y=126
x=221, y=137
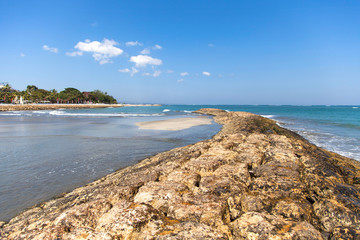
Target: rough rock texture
x=253, y=180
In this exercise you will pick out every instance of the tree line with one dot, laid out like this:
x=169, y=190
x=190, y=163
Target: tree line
x=33, y=94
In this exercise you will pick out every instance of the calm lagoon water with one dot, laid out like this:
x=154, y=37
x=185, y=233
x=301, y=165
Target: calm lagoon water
x=46, y=153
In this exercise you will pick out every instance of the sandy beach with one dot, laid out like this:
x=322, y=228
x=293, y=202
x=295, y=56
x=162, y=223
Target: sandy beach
x=175, y=124
x=22, y=107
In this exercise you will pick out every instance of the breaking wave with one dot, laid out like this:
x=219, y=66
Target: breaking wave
x=62, y=113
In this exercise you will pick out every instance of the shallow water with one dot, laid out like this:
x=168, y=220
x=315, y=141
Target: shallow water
x=42, y=155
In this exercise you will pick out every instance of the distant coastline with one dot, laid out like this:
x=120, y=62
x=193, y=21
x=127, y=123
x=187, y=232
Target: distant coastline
x=32, y=107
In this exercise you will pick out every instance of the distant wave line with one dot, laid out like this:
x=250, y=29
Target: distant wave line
x=61, y=113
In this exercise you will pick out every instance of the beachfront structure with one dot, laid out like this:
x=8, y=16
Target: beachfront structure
x=4, y=84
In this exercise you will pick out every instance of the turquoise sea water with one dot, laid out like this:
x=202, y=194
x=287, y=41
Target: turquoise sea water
x=336, y=128
x=45, y=153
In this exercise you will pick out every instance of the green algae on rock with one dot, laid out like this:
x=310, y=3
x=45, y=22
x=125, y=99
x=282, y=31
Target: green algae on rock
x=252, y=180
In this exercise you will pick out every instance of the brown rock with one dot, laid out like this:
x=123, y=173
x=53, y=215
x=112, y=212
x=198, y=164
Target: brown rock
x=288, y=208
x=334, y=214
x=253, y=180
x=251, y=203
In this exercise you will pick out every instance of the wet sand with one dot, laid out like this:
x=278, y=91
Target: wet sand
x=174, y=124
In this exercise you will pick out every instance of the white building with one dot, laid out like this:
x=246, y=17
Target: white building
x=3, y=84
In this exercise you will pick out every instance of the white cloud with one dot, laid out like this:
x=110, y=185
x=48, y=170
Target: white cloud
x=155, y=74
x=94, y=24
x=125, y=70
x=74, y=54
x=134, y=71
x=170, y=71
x=50, y=49
x=211, y=45
x=22, y=55
x=184, y=74
x=102, y=51
x=206, y=73
x=180, y=80
x=143, y=60
x=133, y=43
x=145, y=51
x=157, y=47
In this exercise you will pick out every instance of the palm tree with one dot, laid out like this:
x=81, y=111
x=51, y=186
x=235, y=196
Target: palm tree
x=31, y=88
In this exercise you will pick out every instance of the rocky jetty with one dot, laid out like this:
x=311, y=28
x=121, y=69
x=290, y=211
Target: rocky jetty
x=253, y=180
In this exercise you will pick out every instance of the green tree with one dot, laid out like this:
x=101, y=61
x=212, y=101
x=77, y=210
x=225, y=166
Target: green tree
x=71, y=95
x=7, y=93
x=31, y=88
x=101, y=97
x=53, y=96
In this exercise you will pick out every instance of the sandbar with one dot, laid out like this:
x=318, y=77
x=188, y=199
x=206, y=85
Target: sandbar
x=175, y=124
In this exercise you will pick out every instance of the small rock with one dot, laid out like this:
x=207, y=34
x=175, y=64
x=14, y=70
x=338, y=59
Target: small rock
x=290, y=209
x=251, y=203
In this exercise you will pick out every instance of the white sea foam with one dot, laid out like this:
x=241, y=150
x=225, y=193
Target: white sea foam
x=10, y=114
x=355, y=107
x=56, y=112
x=268, y=116
x=166, y=110
x=16, y=111
x=346, y=146
x=40, y=112
x=62, y=113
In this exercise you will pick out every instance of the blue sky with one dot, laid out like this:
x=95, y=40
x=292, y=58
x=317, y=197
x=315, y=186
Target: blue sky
x=186, y=52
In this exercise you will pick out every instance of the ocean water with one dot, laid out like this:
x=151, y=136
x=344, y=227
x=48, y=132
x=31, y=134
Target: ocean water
x=46, y=153
x=335, y=128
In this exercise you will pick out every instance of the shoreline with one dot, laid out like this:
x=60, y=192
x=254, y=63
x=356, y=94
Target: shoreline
x=252, y=175
x=24, y=107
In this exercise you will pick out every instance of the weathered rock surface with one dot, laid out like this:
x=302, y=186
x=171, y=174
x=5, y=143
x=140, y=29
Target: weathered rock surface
x=253, y=180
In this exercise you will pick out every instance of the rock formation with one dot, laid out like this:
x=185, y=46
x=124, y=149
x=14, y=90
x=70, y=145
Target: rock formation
x=253, y=180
